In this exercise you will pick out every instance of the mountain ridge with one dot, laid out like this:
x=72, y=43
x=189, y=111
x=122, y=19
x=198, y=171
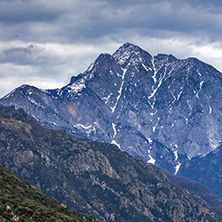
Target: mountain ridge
x=135, y=101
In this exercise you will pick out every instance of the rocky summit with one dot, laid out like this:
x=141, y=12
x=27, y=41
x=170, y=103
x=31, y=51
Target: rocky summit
x=92, y=177
x=163, y=109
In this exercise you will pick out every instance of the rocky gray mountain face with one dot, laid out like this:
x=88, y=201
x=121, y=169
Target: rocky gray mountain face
x=92, y=177
x=160, y=108
x=206, y=170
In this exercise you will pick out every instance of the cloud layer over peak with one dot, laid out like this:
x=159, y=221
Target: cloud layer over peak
x=44, y=43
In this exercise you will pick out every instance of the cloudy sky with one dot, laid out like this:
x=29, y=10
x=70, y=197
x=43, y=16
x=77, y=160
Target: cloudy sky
x=44, y=43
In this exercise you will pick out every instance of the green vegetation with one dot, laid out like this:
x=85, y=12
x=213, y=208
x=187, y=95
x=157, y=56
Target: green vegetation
x=20, y=201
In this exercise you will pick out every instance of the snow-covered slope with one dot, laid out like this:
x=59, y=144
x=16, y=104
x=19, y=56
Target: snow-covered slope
x=160, y=108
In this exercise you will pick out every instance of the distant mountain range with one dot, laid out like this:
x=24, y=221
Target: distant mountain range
x=160, y=108
x=20, y=201
x=95, y=178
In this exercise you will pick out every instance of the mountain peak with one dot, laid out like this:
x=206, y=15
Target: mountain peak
x=129, y=45
x=129, y=52
x=127, y=48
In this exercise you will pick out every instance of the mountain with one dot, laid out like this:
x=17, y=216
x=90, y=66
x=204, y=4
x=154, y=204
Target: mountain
x=196, y=189
x=206, y=170
x=95, y=178
x=20, y=201
x=160, y=108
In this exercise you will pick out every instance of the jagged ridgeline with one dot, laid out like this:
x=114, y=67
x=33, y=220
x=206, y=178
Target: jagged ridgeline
x=160, y=108
x=94, y=178
x=20, y=201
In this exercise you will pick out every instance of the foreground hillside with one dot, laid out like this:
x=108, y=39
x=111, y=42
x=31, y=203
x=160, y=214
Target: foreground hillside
x=20, y=201
x=94, y=178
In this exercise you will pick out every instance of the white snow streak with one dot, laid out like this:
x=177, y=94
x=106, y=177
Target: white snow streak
x=176, y=158
x=186, y=119
x=77, y=86
x=82, y=126
x=90, y=67
x=153, y=114
x=120, y=90
x=88, y=129
x=107, y=98
x=115, y=143
x=177, y=168
x=178, y=97
x=199, y=73
x=147, y=69
x=176, y=154
x=151, y=160
x=34, y=102
x=150, y=140
x=151, y=105
x=201, y=85
x=159, y=84
x=155, y=71
x=114, y=130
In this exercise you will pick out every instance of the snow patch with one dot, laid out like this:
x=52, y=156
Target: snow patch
x=154, y=69
x=178, y=96
x=186, y=119
x=197, y=93
x=115, y=143
x=77, y=86
x=201, y=84
x=90, y=67
x=151, y=160
x=150, y=140
x=82, y=126
x=120, y=90
x=176, y=154
x=114, y=130
x=147, y=69
x=87, y=129
x=151, y=104
x=34, y=102
x=159, y=84
x=188, y=102
x=199, y=73
x=106, y=99
x=177, y=168
x=152, y=114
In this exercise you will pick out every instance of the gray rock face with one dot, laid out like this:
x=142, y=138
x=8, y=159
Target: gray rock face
x=160, y=108
x=206, y=170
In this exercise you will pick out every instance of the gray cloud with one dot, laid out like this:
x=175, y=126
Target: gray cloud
x=81, y=20
x=52, y=40
x=29, y=55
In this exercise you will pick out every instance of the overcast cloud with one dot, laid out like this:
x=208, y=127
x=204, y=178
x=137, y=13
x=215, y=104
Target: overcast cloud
x=44, y=43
